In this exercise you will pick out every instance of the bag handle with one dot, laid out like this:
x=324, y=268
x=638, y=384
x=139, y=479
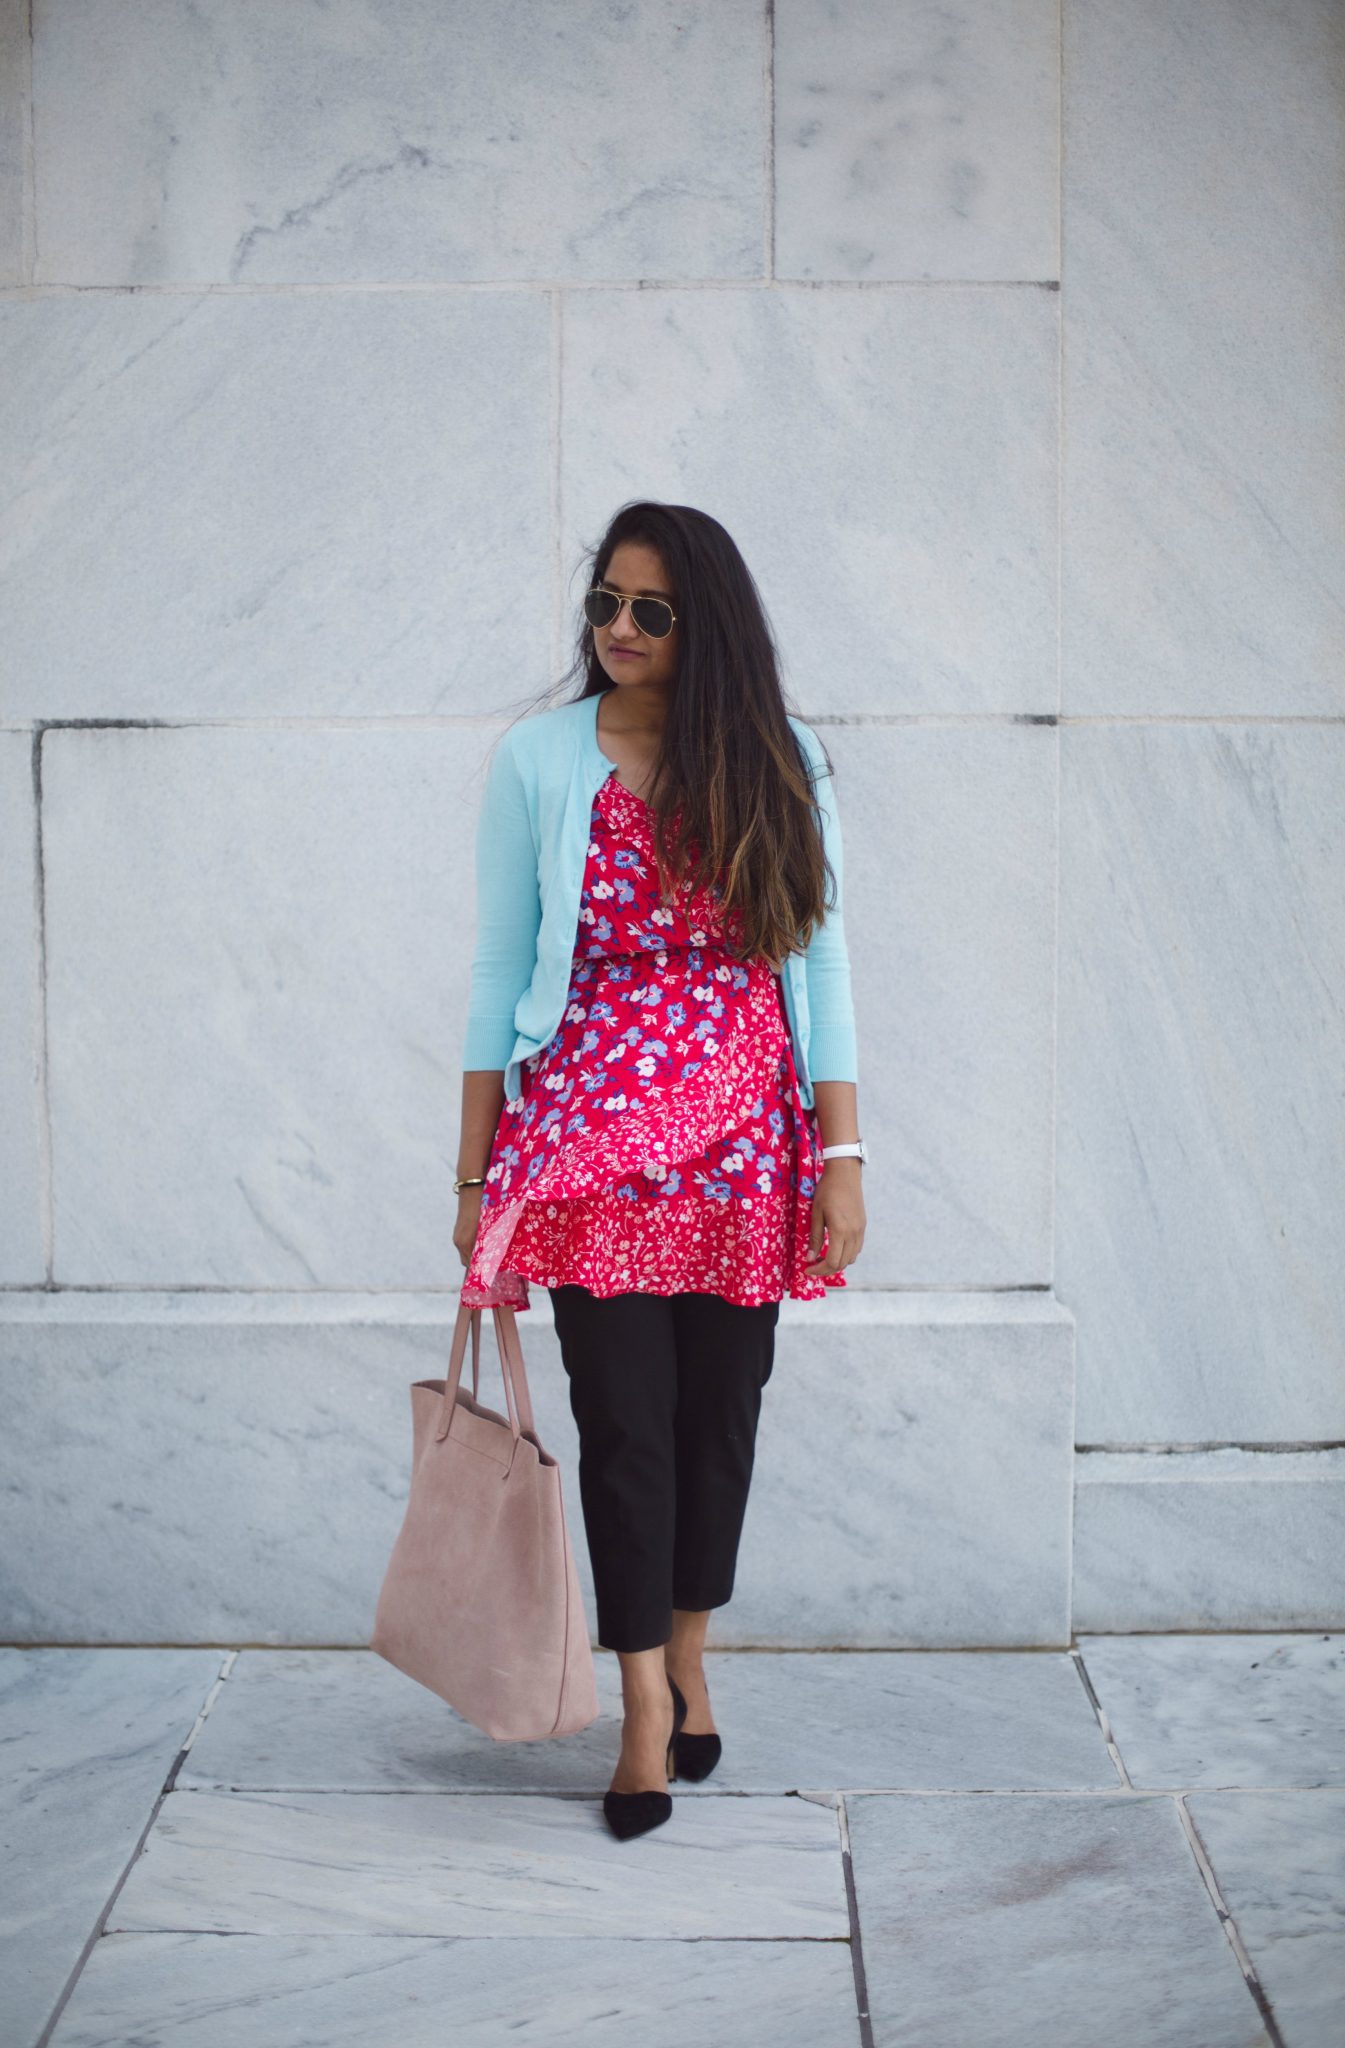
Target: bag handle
x=518, y=1397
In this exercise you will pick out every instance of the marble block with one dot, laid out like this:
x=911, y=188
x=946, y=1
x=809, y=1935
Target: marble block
x=886, y=462
x=301, y=904
x=950, y=858
x=383, y=140
x=1279, y=1861
x=917, y=142
x=89, y=1739
x=1210, y=1710
x=14, y=99
x=922, y=1720
x=364, y=1990
x=1225, y=1539
x=258, y=958
x=426, y=1863
x=223, y=505
x=914, y=1460
x=234, y=1468
x=1204, y=356
x=22, y=1251
x=1201, y=1121
x=1041, y=1923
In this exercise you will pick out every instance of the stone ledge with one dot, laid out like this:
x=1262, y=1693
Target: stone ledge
x=1234, y=1538
x=232, y=1468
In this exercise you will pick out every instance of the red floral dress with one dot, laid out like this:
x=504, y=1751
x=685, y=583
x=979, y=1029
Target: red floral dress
x=660, y=1144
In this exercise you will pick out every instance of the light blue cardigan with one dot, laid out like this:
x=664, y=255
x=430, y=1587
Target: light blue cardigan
x=532, y=841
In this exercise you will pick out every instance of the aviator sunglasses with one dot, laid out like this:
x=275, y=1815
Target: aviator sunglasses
x=654, y=618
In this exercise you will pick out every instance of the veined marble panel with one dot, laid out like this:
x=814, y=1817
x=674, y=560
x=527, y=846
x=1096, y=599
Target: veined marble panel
x=949, y=887
x=223, y=505
x=1041, y=1923
x=1201, y=1082
x=363, y=1990
x=393, y=140
x=258, y=955
x=88, y=1740
x=22, y=1255
x=1211, y=1710
x=916, y=1452
x=283, y=1112
x=13, y=136
x=886, y=461
x=239, y=1467
x=1204, y=359
x=425, y=1863
x=1227, y=1539
x=1279, y=1859
x=917, y=142
x=914, y=1719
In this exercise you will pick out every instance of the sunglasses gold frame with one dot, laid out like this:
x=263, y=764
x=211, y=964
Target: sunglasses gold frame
x=632, y=599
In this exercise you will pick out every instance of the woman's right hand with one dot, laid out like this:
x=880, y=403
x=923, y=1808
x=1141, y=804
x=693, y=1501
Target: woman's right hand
x=468, y=1223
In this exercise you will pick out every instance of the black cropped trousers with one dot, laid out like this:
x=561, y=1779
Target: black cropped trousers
x=666, y=1392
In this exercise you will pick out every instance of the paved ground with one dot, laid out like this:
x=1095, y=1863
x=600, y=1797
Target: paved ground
x=1134, y=1843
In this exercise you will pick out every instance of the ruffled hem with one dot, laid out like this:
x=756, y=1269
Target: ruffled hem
x=718, y=1097
x=683, y=1245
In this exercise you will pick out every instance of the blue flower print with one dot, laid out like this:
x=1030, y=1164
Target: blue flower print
x=655, y=1002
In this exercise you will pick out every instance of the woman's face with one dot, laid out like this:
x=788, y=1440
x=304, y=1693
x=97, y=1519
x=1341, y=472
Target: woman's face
x=625, y=653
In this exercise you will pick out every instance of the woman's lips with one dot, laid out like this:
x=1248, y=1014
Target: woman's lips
x=626, y=654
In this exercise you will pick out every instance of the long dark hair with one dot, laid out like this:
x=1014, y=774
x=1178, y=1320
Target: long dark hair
x=731, y=779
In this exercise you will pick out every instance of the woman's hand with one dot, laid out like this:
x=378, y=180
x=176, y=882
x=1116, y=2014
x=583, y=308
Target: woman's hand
x=468, y=1223
x=838, y=1210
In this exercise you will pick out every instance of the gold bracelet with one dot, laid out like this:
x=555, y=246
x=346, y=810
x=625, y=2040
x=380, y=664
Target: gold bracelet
x=474, y=1180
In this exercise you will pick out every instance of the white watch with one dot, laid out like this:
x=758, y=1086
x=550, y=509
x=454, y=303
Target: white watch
x=859, y=1150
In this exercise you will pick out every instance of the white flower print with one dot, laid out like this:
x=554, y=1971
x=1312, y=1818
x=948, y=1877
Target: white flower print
x=675, y=1153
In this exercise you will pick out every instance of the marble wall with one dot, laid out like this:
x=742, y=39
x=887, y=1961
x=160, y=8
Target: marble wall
x=1009, y=344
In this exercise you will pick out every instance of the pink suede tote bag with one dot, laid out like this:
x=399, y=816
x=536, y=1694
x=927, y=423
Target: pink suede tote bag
x=481, y=1599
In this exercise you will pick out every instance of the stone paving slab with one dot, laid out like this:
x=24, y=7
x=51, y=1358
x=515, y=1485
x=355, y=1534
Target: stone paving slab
x=430, y=1863
x=962, y=1720
x=1279, y=1859
x=1236, y=1710
x=366, y=1991
x=1039, y=1922
x=89, y=1738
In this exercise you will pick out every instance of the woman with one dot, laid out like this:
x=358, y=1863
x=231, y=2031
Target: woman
x=658, y=987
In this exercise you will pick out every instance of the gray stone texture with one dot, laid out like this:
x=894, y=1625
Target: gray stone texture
x=1008, y=345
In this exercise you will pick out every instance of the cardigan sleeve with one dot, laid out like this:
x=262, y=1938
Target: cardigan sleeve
x=832, y=1046
x=508, y=912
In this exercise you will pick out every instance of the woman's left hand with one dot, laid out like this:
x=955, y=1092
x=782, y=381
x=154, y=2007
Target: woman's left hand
x=838, y=1211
